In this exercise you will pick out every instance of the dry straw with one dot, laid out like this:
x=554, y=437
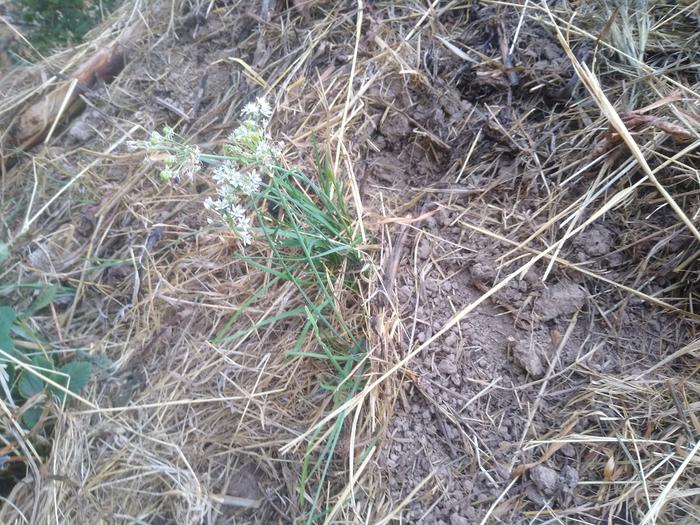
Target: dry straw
x=210, y=407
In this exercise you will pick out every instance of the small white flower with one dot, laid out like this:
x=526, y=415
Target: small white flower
x=228, y=194
x=236, y=212
x=251, y=183
x=251, y=109
x=190, y=163
x=227, y=174
x=258, y=110
x=245, y=236
x=265, y=108
x=243, y=223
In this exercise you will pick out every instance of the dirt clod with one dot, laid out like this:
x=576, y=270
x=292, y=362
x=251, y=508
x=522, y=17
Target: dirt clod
x=560, y=299
x=448, y=366
x=529, y=358
x=546, y=479
x=456, y=519
x=596, y=241
x=568, y=478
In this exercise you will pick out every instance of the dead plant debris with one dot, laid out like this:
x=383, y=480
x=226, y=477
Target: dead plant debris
x=523, y=181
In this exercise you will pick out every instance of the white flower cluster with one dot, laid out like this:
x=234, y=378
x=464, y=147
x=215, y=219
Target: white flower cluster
x=250, y=155
x=182, y=160
x=259, y=109
x=250, y=143
x=232, y=184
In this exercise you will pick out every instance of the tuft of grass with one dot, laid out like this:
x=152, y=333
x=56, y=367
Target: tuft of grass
x=309, y=244
x=305, y=243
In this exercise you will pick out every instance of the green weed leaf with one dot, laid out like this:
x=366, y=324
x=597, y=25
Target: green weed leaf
x=31, y=416
x=45, y=298
x=30, y=384
x=7, y=317
x=78, y=373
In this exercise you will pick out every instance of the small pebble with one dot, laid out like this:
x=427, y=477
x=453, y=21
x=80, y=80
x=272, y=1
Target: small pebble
x=448, y=366
x=424, y=250
x=456, y=519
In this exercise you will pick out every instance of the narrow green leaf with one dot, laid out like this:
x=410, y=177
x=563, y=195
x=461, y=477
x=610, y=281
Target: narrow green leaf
x=295, y=312
x=7, y=318
x=45, y=297
x=30, y=417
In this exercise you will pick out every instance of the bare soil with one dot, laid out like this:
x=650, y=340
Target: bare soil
x=514, y=370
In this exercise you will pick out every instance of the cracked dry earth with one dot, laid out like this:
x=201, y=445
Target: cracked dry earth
x=472, y=403
x=500, y=378
x=466, y=412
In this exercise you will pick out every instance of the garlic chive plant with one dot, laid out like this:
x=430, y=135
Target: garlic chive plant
x=181, y=161
x=306, y=229
x=249, y=155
